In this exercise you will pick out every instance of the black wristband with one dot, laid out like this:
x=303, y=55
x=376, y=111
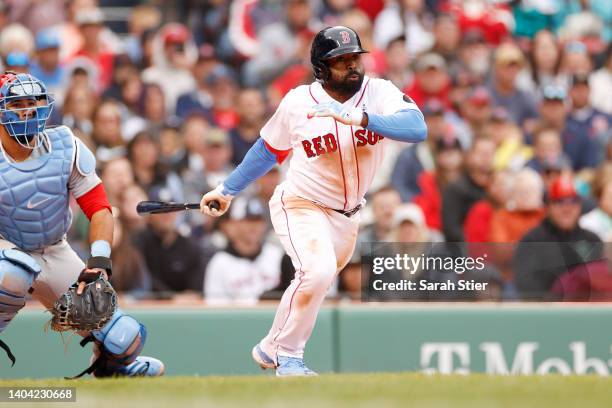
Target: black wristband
x=101, y=262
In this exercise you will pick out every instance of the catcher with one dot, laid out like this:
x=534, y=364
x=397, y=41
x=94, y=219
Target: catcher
x=38, y=169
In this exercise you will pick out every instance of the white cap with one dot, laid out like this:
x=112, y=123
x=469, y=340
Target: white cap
x=409, y=212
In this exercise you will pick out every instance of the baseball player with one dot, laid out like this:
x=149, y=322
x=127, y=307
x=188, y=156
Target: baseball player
x=337, y=128
x=39, y=168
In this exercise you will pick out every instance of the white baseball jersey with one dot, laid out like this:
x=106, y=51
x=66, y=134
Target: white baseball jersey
x=332, y=164
x=332, y=168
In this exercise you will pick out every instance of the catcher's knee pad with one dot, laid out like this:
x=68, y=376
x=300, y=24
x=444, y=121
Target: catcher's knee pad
x=121, y=339
x=17, y=272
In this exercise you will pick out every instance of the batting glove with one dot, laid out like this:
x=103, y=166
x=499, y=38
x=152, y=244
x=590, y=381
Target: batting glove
x=224, y=201
x=333, y=109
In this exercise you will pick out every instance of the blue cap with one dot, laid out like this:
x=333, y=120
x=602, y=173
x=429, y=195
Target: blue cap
x=554, y=92
x=17, y=59
x=47, y=38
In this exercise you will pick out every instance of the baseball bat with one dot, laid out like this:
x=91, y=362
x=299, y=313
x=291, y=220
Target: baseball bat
x=160, y=207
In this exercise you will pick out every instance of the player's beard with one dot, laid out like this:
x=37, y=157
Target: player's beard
x=345, y=86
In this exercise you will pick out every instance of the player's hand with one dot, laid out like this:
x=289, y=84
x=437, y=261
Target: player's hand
x=334, y=109
x=89, y=275
x=215, y=195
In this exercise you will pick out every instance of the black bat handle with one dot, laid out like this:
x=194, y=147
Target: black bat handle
x=214, y=204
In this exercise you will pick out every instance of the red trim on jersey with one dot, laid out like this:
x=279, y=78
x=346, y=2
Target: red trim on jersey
x=93, y=201
x=300, y=270
x=281, y=155
x=341, y=162
x=310, y=91
x=356, y=160
x=363, y=93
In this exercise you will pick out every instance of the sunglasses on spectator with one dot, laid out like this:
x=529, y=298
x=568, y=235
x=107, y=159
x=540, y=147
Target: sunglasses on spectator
x=566, y=200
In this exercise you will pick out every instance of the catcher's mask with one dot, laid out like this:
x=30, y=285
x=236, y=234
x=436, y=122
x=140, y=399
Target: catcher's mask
x=329, y=43
x=25, y=107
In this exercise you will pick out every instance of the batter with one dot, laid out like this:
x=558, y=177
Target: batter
x=337, y=129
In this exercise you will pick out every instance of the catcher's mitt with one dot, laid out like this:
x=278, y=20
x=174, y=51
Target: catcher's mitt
x=90, y=310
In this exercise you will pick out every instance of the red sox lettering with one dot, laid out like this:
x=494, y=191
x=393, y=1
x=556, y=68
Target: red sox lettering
x=327, y=143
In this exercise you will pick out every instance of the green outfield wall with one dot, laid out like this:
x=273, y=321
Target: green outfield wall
x=498, y=339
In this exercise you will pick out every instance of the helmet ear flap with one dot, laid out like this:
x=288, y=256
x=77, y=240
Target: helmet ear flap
x=321, y=71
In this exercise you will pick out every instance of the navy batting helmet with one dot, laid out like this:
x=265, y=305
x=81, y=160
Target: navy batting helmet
x=329, y=43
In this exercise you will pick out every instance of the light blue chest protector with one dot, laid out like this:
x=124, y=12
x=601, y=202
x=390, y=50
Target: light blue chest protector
x=34, y=195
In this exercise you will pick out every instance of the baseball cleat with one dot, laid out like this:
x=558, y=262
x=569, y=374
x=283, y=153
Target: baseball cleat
x=261, y=358
x=141, y=367
x=293, y=367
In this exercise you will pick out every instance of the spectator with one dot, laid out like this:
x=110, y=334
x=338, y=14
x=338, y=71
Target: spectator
x=408, y=18
x=106, y=132
x=512, y=153
x=216, y=156
x=601, y=83
x=584, y=120
x=474, y=56
x=415, y=159
x=447, y=37
x=575, y=60
x=251, y=109
x=557, y=244
x=476, y=111
x=581, y=149
x=508, y=61
x=431, y=80
x=384, y=203
x=90, y=22
x=548, y=152
x=47, y=66
x=478, y=221
x=199, y=99
x=77, y=112
x=249, y=266
x=224, y=89
x=37, y=15
x=172, y=149
x=117, y=176
x=409, y=225
x=173, y=56
x=141, y=19
x=281, y=44
x=130, y=197
x=545, y=58
x=130, y=273
x=448, y=159
x=459, y=196
x=17, y=62
x=153, y=106
x=397, y=61
x=174, y=261
x=331, y=11
x=15, y=38
x=523, y=209
x=599, y=220
x=149, y=172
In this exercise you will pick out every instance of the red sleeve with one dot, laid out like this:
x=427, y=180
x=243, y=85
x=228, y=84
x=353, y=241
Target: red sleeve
x=93, y=201
x=281, y=155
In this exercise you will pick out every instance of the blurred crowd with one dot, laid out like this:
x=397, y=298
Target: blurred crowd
x=170, y=95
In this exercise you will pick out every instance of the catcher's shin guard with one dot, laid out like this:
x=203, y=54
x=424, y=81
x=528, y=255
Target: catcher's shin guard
x=17, y=272
x=117, y=345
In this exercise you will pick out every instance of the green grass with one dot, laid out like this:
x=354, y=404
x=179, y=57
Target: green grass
x=337, y=390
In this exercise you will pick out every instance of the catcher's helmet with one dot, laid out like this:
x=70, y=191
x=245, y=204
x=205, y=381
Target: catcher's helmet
x=13, y=87
x=329, y=43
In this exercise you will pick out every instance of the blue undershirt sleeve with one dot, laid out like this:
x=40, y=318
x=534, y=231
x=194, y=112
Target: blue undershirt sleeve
x=257, y=162
x=407, y=125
